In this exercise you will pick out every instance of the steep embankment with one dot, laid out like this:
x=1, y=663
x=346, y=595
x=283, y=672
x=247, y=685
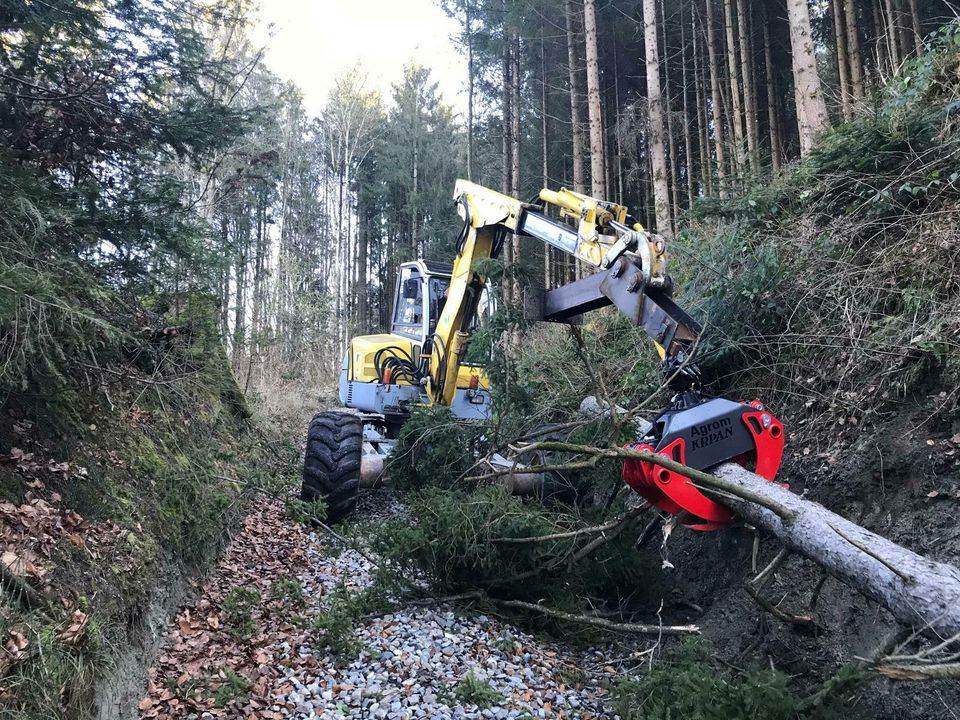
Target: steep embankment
x=834, y=295
x=124, y=453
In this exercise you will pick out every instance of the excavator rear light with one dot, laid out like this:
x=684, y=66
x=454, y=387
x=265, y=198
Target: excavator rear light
x=474, y=382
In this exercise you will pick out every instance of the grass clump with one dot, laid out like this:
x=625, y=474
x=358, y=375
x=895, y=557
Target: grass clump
x=238, y=605
x=474, y=690
x=334, y=626
x=288, y=591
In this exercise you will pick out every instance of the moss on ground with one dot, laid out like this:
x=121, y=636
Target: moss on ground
x=146, y=458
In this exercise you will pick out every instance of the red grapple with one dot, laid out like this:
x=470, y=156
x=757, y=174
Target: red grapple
x=673, y=493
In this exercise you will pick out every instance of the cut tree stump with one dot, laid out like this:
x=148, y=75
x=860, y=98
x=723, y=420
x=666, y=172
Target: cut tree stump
x=916, y=590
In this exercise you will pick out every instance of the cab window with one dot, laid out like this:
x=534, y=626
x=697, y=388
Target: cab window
x=408, y=307
x=438, y=299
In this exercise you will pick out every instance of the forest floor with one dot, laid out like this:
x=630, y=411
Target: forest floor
x=260, y=640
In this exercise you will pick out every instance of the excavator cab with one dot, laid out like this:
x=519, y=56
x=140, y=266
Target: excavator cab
x=382, y=374
x=419, y=299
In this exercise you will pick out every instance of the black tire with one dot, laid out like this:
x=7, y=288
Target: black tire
x=331, y=464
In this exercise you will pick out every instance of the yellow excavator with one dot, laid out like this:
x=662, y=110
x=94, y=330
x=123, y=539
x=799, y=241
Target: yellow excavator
x=421, y=361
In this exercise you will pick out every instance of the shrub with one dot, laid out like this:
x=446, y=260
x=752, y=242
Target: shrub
x=474, y=690
x=453, y=543
x=693, y=687
x=434, y=448
x=239, y=605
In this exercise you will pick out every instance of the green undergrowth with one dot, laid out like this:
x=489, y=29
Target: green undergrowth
x=693, y=685
x=123, y=417
x=461, y=540
x=837, y=280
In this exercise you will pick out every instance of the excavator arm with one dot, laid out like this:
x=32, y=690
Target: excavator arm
x=631, y=273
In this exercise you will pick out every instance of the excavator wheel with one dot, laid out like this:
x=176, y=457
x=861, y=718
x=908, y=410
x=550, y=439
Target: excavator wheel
x=331, y=465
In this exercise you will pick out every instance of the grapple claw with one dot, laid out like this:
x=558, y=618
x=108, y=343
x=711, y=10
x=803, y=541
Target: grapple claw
x=701, y=437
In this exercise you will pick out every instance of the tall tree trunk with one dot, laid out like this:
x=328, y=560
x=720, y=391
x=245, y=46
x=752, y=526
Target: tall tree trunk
x=733, y=74
x=616, y=122
x=576, y=127
x=893, y=41
x=907, y=38
x=544, y=148
x=363, y=248
x=843, y=64
x=598, y=171
x=916, y=590
x=880, y=39
x=700, y=84
x=671, y=138
x=655, y=103
x=715, y=99
x=470, y=84
x=749, y=94
x=853, y=49
x=506, y=101
x=687, y=122
x=915, y=22
x=812, y=118
x=773, y=117
x=515, y=80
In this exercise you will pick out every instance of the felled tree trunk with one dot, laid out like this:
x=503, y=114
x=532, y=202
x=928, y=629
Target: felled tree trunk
x=917, y=591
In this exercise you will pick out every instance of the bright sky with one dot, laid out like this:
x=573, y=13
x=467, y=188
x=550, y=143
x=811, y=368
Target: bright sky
x=314, y=41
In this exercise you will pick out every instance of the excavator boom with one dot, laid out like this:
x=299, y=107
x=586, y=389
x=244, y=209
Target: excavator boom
x=631, y=272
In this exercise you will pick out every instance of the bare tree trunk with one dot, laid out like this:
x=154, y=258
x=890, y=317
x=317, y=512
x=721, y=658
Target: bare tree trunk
x=616, y=122
x=687, y=122
x=917, y=591
x=853, y=49
x=915, y=22
x=699, y=85
x=840, y=39
x=470, y=83
x=773, y=117
x=749, y=95
x=576, y=128
x=515, y=80
x=598, y=172
x=879, y=38
x=544, y=148
x=715, y=99
x=505, y=102
x=733, y=74
x=363, y=248
x=907, y=38
x=671, y=138
x=655, y=103
x=893, y=43
x=812, y=118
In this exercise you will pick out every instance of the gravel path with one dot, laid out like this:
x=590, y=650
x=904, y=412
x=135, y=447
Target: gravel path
x=418, y=662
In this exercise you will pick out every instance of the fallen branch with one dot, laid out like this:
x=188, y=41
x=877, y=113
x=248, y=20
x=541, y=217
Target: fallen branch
x=802, y=622
x=698, y=476
x=572, y=533
x=634, y=628
x=918, y=672
x=600, y=622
